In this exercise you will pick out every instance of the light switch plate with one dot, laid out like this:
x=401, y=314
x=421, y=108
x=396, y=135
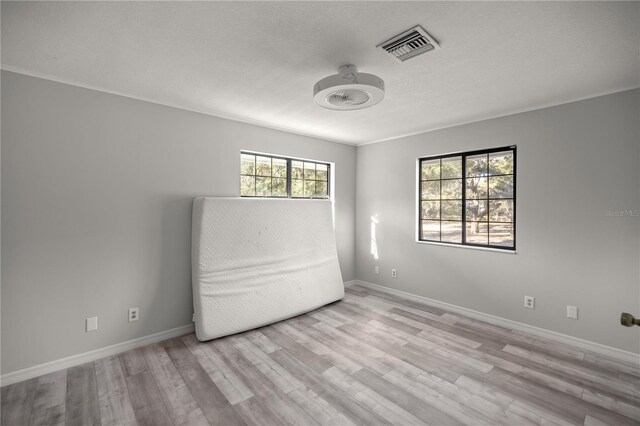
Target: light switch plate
x=92, y=323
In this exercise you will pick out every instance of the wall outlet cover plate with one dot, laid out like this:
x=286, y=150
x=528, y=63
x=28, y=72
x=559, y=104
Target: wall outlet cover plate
x=529, y=302
x=134, y=314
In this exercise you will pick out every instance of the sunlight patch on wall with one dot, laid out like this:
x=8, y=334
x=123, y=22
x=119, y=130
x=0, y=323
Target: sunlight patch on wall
x=374, y=244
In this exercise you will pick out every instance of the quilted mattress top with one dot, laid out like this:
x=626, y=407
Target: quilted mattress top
x=258, y=261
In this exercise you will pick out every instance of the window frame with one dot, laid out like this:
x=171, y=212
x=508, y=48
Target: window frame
x=288, y=177
x=463, y=199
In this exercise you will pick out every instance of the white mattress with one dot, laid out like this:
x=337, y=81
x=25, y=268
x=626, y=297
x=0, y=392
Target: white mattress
x=258, y=261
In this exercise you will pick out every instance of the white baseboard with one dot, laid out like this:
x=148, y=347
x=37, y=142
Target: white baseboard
x=60, y=364
x=512, y=325
x=50, y=367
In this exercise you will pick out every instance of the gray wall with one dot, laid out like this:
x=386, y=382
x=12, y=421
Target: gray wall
x=574, y=162
x=96, y=205
x=96, y=211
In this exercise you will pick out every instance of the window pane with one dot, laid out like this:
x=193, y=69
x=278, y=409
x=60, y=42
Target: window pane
x=248, y=164
x=476, y=188
x=471, y=194
x=431, y=230
x=297, y=188
x=282, y=177
x=297, y=170
x=452, y=189
x=431, y=210
x=501, y=210
x=451, y=232
x=279, y=187
x=501, y=163
x=477, y=165
x=451, y=210
x=501, y=234
x=477, y=210
x=477, y=233
x=263, y=186
x=309, y=170
x=309, y=187
x=501, y=187
x=451, y=167
x=321, y=189
x=247, y=186
x=322, y=172
x=279, y=168
x=431, y=190
x=430, y=169
x=263, y=166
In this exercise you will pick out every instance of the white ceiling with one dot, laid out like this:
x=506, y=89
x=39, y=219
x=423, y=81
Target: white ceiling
x=258, y=61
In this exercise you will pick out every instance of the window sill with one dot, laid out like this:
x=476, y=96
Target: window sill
x=433, y=243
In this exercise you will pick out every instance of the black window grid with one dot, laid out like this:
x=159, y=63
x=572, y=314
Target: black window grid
x=464, y=221
x=288, y=177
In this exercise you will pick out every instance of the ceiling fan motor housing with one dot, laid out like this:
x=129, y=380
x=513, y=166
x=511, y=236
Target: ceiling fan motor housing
x=349, y=90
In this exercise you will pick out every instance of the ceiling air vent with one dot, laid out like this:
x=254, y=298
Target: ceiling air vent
x=409, y=44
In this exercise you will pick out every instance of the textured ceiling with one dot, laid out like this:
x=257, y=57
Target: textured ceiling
x=258, y=61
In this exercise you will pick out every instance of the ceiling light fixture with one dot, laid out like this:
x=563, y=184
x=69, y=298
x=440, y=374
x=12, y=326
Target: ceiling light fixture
x=348, y=90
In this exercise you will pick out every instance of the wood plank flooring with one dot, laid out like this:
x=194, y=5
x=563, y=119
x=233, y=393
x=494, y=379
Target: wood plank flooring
x=370, y=359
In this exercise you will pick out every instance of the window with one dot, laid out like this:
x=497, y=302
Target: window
x=280, y=177
x=469, y=198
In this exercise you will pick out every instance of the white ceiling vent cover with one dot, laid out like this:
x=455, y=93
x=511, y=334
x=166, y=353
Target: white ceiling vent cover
x=348, y=90
x=410, y=44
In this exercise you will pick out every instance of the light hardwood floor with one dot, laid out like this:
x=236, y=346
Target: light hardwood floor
x=371, y=359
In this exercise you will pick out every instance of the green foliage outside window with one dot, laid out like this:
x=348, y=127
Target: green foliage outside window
x=469, y=198
x=267, y=176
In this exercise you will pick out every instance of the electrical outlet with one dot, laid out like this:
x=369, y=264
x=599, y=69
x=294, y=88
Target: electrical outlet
x=377, y=269
x=91, y=323
x=193, y=317
x=134, y=314
x=529, y=302
x=572, y=312
x=394, y=273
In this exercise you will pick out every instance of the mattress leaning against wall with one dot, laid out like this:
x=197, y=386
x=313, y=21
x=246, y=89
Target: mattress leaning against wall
x=259, y=261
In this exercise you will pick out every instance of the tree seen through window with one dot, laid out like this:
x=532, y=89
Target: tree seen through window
x=281, y=177
x=469, y=198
